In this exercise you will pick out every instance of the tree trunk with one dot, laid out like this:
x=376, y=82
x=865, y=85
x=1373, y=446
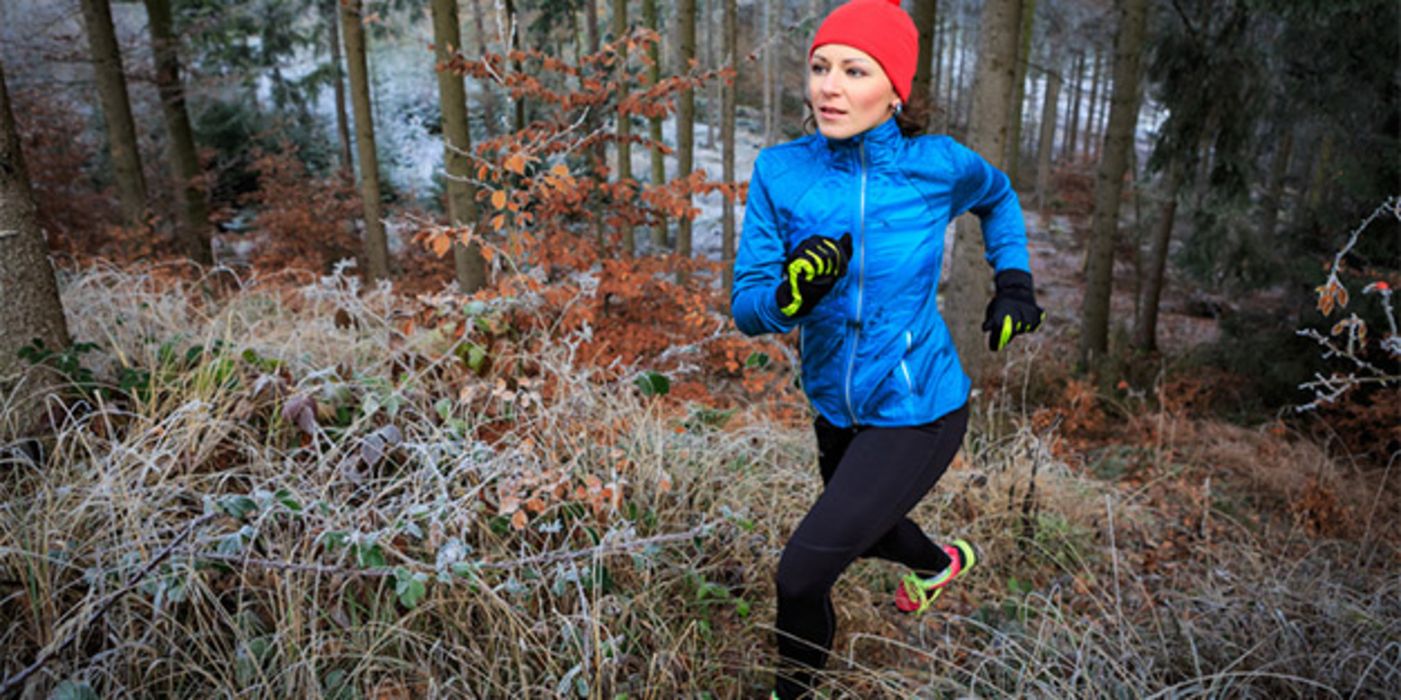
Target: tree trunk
x=591, y=24
x=924, y=14
x=1088, y=140
x=966, y=84
x=468, y=263
x=1274, y=195
x=1035, y=92
x=685, y=113
x=1098, y=127
x=376, y=244
x=1109, y=181
x=1145, y=328
x=116, y=111
x=513, y=41
x=1321, y=181
x=1072, y=134
x=1048, y=131
x=654, y=76
x=969, y=277
x=713, y=98
x=488, y=101
x=333, y=41
x=624, y=147
x=32, y=309
x=727, y=136
x=938, y=124
x=1014, y=138
x=193, y=232
x=951, y=107
x=765, y=32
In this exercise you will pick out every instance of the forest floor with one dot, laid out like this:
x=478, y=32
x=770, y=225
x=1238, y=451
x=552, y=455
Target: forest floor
x=377, y=508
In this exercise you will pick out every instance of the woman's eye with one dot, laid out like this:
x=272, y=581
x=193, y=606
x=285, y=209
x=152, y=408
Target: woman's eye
x=855, y=72
x=818, y=69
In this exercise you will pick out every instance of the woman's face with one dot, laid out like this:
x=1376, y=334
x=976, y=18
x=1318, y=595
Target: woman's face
x=849, y=91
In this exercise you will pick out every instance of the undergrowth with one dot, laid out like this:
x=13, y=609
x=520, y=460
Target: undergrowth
x=288, y=489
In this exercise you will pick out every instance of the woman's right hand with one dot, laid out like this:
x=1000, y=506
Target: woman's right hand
x=810, y=271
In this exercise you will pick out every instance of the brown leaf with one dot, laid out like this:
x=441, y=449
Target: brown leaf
x=300, y=411
x=441, y=245
x=516, y=164
x=498, y=199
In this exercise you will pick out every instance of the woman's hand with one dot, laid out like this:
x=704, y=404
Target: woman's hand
x=1013, y=310
x=812, y=269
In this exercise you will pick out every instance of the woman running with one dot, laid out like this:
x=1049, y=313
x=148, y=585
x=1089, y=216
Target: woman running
x=843, y=238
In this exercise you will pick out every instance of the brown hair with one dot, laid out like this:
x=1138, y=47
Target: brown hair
x=913, y=118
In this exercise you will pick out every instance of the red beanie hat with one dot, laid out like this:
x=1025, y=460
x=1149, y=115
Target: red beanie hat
x=881, y=29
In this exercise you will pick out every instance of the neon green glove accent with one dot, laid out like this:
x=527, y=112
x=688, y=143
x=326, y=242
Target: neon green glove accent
x=812, y=269
x=798, y=270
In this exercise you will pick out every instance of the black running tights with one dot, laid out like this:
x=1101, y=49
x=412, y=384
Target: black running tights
x=873, y=477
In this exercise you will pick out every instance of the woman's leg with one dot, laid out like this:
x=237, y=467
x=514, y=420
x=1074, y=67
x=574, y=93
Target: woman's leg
x=882, y=474
x=905, y=543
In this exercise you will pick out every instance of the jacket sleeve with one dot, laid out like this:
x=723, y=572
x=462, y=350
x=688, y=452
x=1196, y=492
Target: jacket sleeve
x=987, y=192
x=759, y=262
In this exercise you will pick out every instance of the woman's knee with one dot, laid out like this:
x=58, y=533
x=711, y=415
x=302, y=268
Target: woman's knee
x=806, y=572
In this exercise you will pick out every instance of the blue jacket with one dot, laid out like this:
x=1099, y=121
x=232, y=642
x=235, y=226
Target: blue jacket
x=875, y=350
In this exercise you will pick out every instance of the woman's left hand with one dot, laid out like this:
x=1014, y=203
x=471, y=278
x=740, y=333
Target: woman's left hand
x=1013, y=310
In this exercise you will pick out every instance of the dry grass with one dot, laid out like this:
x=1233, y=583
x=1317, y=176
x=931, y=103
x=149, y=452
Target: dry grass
x=296, y=582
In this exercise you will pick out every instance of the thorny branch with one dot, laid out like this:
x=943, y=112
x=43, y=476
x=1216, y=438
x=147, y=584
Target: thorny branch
x=1332, y=293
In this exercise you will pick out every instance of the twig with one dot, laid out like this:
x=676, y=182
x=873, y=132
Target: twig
x=15, y=681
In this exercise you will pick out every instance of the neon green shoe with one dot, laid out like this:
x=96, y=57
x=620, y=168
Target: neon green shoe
x=916, y=594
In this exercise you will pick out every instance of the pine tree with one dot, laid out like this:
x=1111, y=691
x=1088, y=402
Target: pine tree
x=457, y=143
x=685, y=113
x=116, y=110
x=1109, y=179
x=969, y=277
x=193, y=231
x=376, y=244
x=32, y=308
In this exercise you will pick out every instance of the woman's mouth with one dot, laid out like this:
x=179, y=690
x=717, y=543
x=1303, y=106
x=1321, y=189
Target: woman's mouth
x=830, y=113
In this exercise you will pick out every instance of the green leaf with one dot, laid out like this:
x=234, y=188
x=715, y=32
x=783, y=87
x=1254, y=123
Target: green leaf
x=73, y=690
x=284, y=497
x=409, y=586
x=653, y=384
x=757, y=359
x=476, y=357
x=238, y=506
x=370, y=556
x=335, y=539
x=335, y=686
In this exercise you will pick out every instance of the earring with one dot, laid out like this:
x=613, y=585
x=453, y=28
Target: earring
x=897, y=107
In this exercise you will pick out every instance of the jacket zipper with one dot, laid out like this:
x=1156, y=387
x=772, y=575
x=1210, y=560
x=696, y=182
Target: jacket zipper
x=909, y=343
x=860, y=282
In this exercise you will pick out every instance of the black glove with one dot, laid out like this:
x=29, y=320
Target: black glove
x=812, y=269
x=1013, y=310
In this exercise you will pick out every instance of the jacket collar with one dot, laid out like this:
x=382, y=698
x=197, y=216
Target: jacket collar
x=882, y=144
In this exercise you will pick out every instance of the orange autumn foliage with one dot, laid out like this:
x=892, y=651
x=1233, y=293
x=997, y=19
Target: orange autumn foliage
x=302, y=221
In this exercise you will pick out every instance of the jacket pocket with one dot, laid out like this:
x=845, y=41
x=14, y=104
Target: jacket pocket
x=904, y=366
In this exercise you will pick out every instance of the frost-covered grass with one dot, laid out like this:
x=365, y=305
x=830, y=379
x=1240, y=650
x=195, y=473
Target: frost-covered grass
x=362, y=545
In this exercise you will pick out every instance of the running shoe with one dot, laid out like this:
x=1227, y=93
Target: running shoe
x=916, y=594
